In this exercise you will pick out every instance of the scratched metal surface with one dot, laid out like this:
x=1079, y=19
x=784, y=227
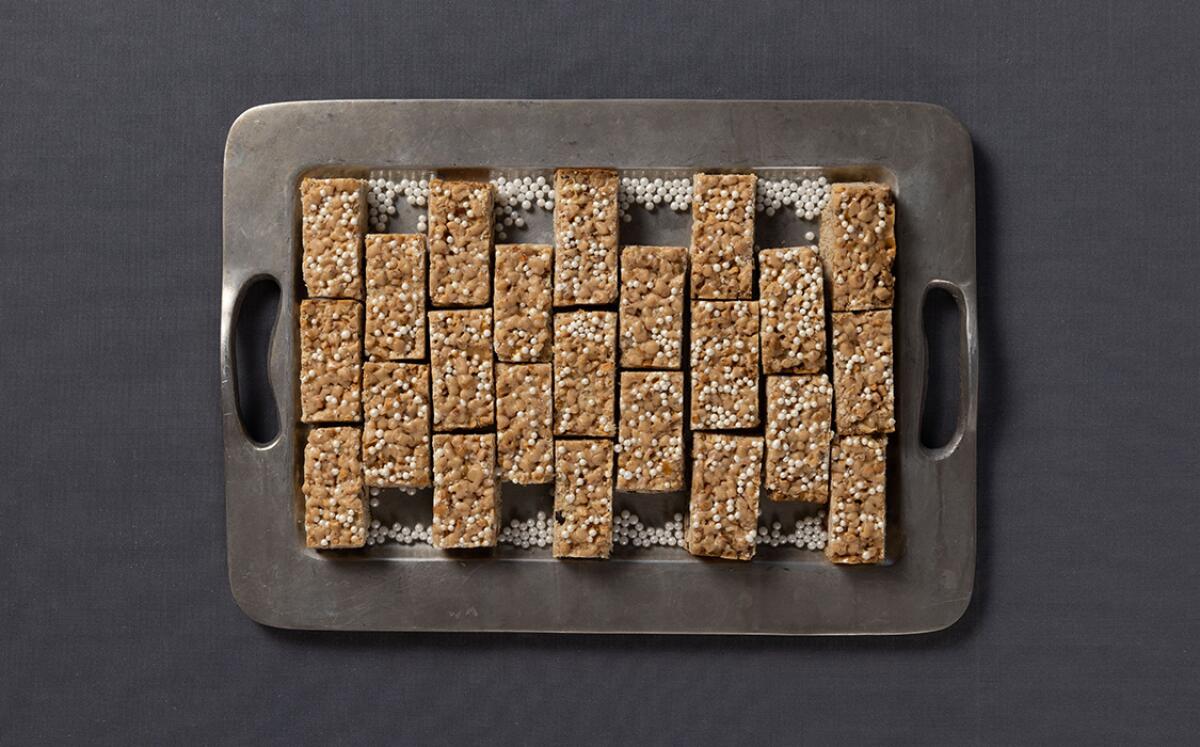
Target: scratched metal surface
x=920, y=149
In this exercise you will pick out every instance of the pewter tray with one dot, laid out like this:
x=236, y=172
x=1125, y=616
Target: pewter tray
x=921, y=150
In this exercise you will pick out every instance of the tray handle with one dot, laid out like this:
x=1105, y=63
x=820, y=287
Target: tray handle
x=250, y=313
x=968, y=367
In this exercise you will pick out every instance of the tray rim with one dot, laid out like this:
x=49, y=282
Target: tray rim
x=248, y=589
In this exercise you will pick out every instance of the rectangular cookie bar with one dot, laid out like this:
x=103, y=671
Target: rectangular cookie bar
x=585, y=365
x=651, y=432
x=335, y=510
x=858, y=246
x=330, y=350
x=585, y=236
x=726, y=480
x=857, y=500
x=460, y=356
x=792, y=302
x=722, y=249
x=863, y=383
x=396, y=425
x=524, y=296
x=724, y=358
x=652, y=297
x=583, y=499
x=466, y=492
x=524, y=422
x=799, y=428
x=395, y=308
x=334, y=218
x=460, y=243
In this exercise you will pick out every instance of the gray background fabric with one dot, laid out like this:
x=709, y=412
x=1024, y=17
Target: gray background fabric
x=115, y=612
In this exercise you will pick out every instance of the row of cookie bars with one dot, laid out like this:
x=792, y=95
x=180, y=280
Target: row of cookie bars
x=724, y=392
x=857, y=242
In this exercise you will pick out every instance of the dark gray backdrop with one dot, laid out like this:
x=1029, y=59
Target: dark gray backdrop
x=115, y=613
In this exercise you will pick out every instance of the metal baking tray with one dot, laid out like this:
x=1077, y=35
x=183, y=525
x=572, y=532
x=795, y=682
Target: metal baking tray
x=921, y=150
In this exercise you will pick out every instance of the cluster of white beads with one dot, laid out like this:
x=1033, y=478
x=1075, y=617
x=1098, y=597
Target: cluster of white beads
x=382, y=195
x=808, y=534
x=806, y=197
x=628, y=529
x=528, y=533
x=650, y=193
x=519, y=193
x=377, y=534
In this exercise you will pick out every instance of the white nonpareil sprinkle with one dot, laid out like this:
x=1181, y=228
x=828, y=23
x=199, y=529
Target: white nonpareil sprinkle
x=379, y=533
x=628, y=530
x=527, y=533
x=383, y=196
x=805, y=198
x=515, y=194
x=649, y=194
x=808, y=534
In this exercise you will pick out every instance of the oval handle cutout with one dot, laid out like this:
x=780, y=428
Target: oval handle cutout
x=255, y=318
x=942, y=321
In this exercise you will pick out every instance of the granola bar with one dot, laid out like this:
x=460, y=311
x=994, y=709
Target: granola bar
x=724, y=358
x=396, y=425
x=460, y=243
x=466, y=493
x=460, y=348
x=583, y=501
x=395, y=308
x=652, y=298
x=330, y=350
x=335, y=513
x=799, y=428
x=585, y=355
x=863, y=382
x=524, y=415
x=722, y=249
x=793, y=310
x=585, y=236
x=857, y=500
x=334, y=218
x=858, y=246
x=651, y=432
x=726, y=480
x=523, y=300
